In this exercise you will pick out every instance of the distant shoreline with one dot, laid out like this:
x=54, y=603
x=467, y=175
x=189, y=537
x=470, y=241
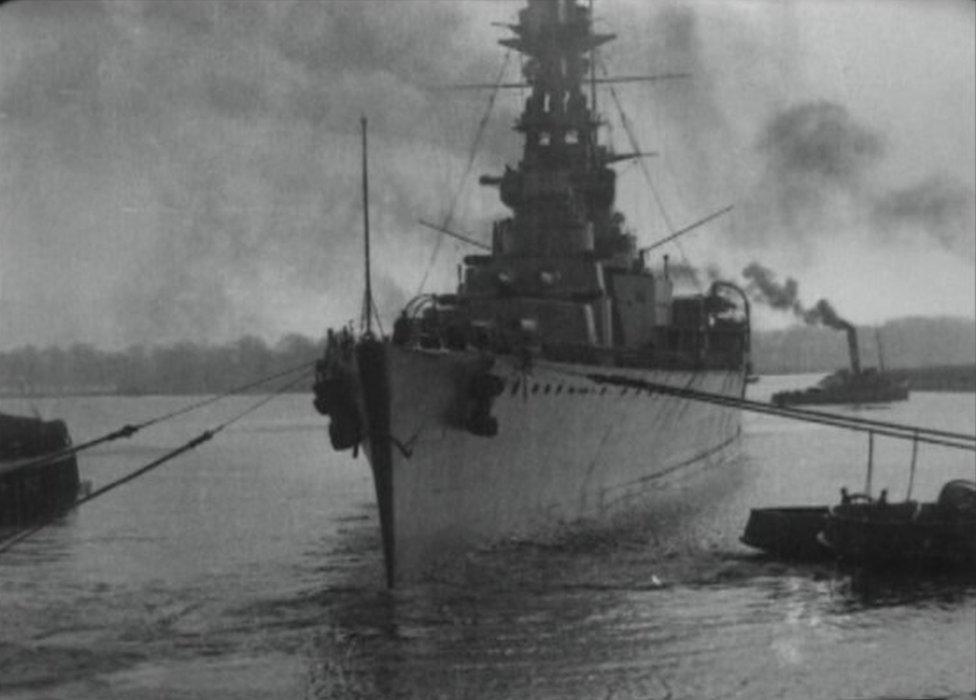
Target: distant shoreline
x=955, y=378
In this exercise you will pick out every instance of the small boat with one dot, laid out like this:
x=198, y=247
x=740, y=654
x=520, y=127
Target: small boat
x=874, y=532
x=38, y=473
x=878, y=533
x=788, y=533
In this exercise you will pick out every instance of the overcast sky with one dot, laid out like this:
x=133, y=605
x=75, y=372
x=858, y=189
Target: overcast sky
x=190, y=170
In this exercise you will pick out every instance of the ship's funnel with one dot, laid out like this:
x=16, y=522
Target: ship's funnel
x=852, y=349
x=823, y=312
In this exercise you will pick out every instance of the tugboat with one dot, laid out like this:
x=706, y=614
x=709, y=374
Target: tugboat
x=854, y=385
x=480, y=416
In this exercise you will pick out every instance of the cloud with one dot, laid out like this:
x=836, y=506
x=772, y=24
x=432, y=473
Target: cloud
x=804, y=170
x=820, y=140
x=940, y=206
x=191, y=169
x=821, y=178
x=207, y=149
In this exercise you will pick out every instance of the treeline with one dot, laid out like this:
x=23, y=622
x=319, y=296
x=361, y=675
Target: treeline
x=191, y=368
x=183, y=368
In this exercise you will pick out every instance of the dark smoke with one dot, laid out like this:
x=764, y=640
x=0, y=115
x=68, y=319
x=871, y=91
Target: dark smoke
x=823, y=313
x=763, y=288
x=821, y=162
x=938, y=205
x=815, y=169
x=817, y=160
x=820, y=140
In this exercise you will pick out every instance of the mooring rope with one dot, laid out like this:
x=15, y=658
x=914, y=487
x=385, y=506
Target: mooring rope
x=203, y=437
x=900, y=431
x=128, y=430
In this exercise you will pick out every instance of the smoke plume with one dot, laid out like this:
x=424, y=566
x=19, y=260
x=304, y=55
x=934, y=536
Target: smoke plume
x=823, y=313
x=819, y=142
x=763, y=287
x=820, y=165
x=938, y=205
x=746, y=128
x=816, y=157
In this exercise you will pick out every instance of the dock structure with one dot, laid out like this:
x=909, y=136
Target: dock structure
x=33, y=486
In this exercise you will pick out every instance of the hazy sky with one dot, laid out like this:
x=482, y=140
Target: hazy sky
x=190, y=170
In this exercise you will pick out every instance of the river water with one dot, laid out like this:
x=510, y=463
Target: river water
x=251, y=568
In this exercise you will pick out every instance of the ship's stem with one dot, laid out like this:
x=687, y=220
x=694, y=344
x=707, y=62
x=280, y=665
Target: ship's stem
x=374, y=375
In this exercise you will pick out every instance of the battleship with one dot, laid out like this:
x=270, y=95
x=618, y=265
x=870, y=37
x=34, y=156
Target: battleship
x=513, y=407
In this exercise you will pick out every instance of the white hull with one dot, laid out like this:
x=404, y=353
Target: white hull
x=567, y=449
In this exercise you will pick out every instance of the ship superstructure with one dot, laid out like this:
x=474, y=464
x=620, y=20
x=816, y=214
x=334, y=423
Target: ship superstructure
x=564, y=269
x=480, y=416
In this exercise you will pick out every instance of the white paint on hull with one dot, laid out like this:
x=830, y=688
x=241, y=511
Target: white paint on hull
x=567, y=449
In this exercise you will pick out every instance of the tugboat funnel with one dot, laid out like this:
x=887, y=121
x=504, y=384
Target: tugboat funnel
x=852, y=349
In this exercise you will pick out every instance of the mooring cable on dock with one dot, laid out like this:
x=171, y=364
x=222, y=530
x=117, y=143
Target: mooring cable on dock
x=128, y=430
x=932, y=436
x=203, y=437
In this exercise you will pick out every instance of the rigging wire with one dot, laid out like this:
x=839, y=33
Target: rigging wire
x=230, y=392
x=635, y=145
x=131, y=429
x=472, y=154
x=205, y=436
